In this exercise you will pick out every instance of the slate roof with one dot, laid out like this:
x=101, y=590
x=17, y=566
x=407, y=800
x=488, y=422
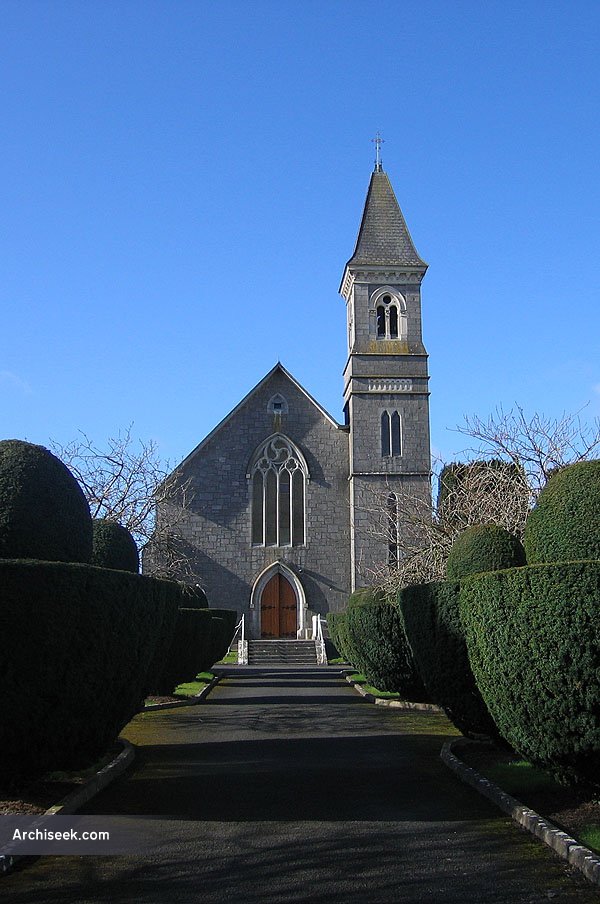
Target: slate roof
x=383, y=237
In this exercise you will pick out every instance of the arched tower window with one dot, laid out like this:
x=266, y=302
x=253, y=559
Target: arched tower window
x=396, y=433
x=278, y=476
x=393, y=321
x=386, y=444
x=392, y=519
x=390, y=314
x=391, y=434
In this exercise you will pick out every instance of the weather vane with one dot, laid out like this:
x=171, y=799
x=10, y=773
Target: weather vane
x=377, y=141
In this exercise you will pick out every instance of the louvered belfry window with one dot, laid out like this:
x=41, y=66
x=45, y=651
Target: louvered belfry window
x=278, y=477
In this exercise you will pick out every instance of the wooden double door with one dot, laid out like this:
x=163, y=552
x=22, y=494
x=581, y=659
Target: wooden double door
x=278, y=608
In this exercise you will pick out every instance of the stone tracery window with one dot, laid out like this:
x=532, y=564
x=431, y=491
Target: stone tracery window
x=390, y=314
x=278, y=477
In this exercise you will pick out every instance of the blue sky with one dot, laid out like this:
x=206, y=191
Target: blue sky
x=182, y=183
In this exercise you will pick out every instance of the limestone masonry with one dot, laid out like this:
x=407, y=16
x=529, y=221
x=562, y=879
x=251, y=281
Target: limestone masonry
x=287, y=510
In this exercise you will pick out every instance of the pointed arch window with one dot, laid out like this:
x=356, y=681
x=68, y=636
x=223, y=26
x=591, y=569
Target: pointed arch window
x=278, y=476
x=392, y=526
x=391, y=434
x=390, y=314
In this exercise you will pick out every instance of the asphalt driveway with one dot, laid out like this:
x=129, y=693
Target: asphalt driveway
x=286, y=786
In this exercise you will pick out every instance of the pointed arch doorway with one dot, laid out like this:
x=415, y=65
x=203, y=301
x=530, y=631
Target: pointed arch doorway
x=279, y=602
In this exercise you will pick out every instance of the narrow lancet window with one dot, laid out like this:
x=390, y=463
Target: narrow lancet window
x=258, y=527
x=381, y=322
x=385, y=434
x=396, y=430
x=393, y=322
x=392, y=518
x=391, y=434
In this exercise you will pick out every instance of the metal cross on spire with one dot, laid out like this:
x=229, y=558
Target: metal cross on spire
x=377, y=141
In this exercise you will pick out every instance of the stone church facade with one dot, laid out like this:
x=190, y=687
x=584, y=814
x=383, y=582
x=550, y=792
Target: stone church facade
x=282, y=499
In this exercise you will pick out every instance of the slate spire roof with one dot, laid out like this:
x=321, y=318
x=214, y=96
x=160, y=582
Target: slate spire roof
x=383, y=237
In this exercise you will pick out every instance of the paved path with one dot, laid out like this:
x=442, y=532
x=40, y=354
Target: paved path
x=287, y=787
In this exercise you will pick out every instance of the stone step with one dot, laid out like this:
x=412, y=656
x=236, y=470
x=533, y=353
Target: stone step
x=282, y=652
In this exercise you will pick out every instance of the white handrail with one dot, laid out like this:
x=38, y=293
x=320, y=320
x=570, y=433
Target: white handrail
x=239, y=625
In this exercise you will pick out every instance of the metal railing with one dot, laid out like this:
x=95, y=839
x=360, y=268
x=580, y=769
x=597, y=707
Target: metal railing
x=319, y=640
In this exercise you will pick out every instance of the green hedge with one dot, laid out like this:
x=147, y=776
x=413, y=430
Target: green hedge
x=533, y=636
x=379, y=649
x=114, y=547
x=193, y=597
x=75, y=647
x=337, y=625
x=190, y=650
x=366, y=595
x=435, y=634
x=483, y=547
x=564, y=526
x=43, y=512
x=223, y=630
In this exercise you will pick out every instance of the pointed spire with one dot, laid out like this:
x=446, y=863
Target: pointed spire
x=383, y=237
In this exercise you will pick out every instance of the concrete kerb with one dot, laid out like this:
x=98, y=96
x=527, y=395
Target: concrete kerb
x=564, y=845
x=80, y=796
x=397, y=704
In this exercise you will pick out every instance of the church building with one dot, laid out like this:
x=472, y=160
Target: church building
x=284, y=502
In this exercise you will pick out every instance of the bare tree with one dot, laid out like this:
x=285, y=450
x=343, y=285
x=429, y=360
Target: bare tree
x=515, y=457
x=538, y=445
x=415, y=537
x=124, y=482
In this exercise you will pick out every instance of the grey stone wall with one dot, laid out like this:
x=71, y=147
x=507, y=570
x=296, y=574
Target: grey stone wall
x=217, y=526
x=371, y=544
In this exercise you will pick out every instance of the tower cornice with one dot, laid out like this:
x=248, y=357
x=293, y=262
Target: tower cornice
x=381, y=275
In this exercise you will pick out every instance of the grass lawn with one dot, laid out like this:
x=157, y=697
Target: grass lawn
x=358, y=678
x=192, y=688
x=229, y=659
x=575, y=811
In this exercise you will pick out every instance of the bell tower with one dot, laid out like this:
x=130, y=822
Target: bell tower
x=386, y=391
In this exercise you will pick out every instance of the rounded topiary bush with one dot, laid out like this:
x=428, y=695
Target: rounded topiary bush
x=483, y=547
x=43, y=512
x=436, y=638
x=565, y=523
x=378, y=647
x=114, y=547
x=533, y=637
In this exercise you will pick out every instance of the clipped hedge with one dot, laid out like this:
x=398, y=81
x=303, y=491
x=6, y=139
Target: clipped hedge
x=193, y=597
x=380, y=650
x=337, y=625
x=190, y=650
x=43, y=512
x=75, y=647
x=435, y=634
x=483, y=547
x=565, y=523
x=114, y=547
x=533, y=636
x=366, y=595
x=225, y=621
